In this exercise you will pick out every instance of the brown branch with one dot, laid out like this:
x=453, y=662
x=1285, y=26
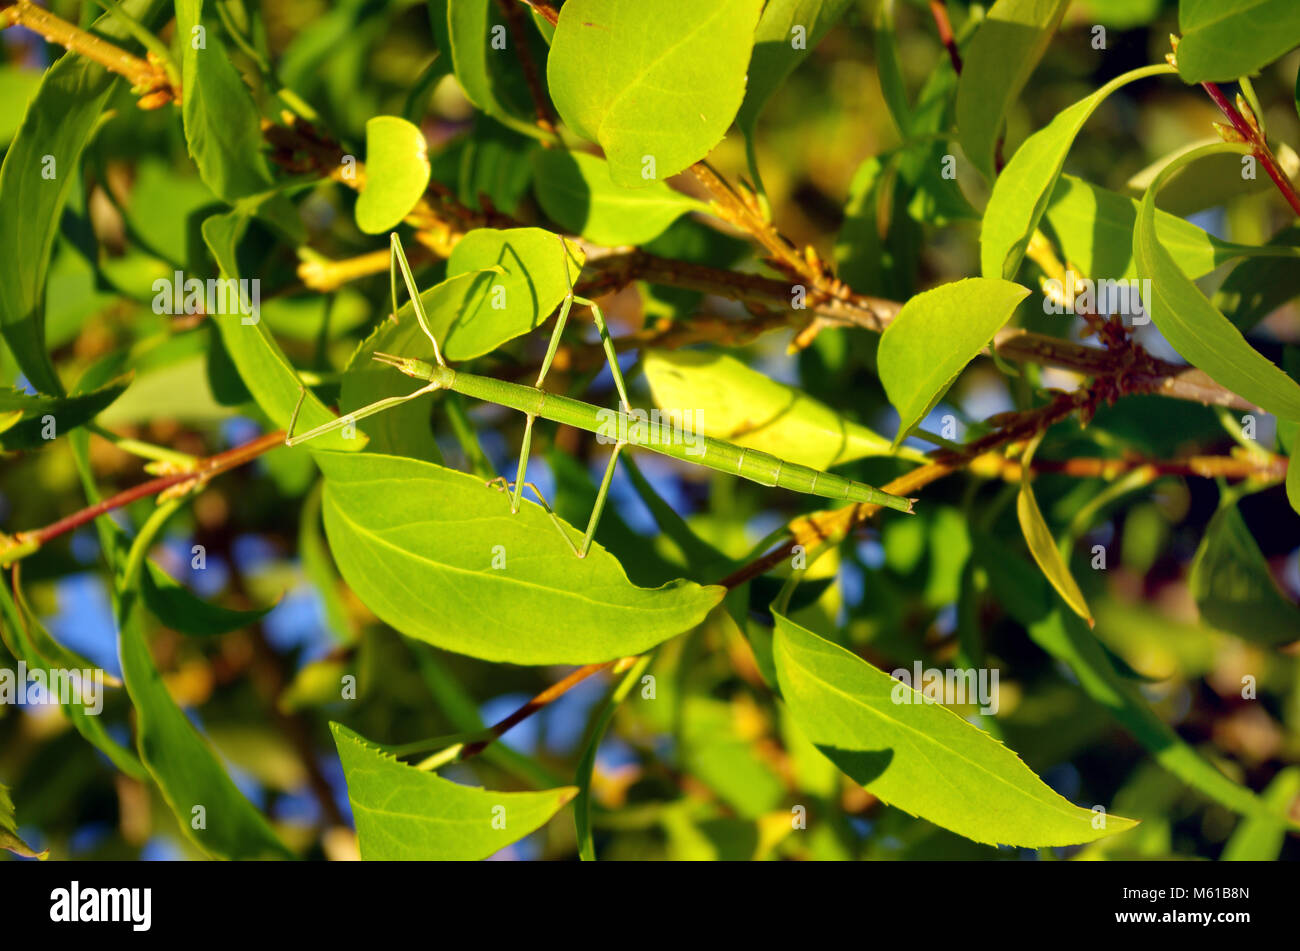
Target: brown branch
x=147, y=78
x=25, y=543
x=547, y=696
x=518, y=27
x=1249, y=132
x=939, y=10
x=833, y=525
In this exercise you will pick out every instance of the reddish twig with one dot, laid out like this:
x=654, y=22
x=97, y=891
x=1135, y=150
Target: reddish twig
x=1259, y=147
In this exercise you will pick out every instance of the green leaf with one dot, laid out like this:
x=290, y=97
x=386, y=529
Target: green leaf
x=787, y=32
x=60, y=121
x=533, y=274
x=1232, y=586
x=1260, y=838
x=403, y=813
x=586, y=765
x=1021, y=591
x=397, y=172
x=1202, y=335
x=575, y=191
x=320, y=571
x=9, y=830
x=997, y=63
x=1293, y=480
x=1094, y=226
x=1213, y=181
x=27, y=415
x=183, y=763
x=222, y=126
x=1224, y=39
x=181, y=610
x=934, y=336
x=474, y=58
x=29, y=641
x=262, y=365
x=918, y=755
x=1043, y=547
x=1255, y=288
x=732, y=402
x=1021, y=193
x=889, y=68
x=417, y=543
x=656, y=83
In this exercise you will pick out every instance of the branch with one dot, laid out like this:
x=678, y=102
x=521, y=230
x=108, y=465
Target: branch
x=25, y=543
x=147, y=76
x=1249, y=132
x=939, y=10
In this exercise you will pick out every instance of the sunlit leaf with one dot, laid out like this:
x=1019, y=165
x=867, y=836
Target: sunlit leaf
x=918, y=755
x=730, y=401
x=1202, y=335
x=418, y=543
x=403, y=813
x=934, y=336
x=655, y=83
x=397, y=172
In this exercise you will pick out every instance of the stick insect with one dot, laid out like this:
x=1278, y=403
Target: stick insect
x=534, y=402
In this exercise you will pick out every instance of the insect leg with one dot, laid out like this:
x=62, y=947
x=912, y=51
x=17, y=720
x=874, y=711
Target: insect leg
x=291, y=440
x=601, y=495
x=505, y=486
x=396, y=260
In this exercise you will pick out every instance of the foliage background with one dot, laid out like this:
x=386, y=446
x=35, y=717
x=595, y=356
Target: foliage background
x=711, y=769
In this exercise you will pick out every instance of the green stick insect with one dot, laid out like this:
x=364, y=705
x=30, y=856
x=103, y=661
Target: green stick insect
x=533, y=401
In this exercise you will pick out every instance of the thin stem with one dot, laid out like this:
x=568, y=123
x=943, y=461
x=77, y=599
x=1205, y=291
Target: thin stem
x=939, y=10
x=30, y=541
x=1259, y=147
x=141, y=73
x=146, y=450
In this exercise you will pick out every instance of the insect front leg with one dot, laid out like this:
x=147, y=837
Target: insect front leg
x=377, y=407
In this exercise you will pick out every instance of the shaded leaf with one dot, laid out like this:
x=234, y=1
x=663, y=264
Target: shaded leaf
x=787, y=32
x=60, y=121
x=1095, y=228
x=575, y=191
x=183, y=763
x=998, y=62
x=262, y=365
x=181, y=610
x=27, y=415
x=222, y=126
x=397, y=172
x=9, y=830
x=1021, y=591
x=1260, y=838
x=1232, y=586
